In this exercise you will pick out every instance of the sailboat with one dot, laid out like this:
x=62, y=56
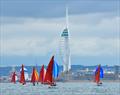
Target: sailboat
x=34, y=77
x=98, y=75
x=13, y=77
x=49, y=77
x=42, y=74
x=22, y=76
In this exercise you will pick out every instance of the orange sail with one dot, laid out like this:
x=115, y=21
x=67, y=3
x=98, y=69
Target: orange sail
x=42, y=74
x=34, y=77
x=48, y=77
x=97, y=75
x=22, y=76
x=13, y=77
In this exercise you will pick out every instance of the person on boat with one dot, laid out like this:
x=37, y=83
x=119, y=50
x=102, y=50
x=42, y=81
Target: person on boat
x=53, y=84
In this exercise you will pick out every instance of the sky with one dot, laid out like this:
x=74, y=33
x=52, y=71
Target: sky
x=30, y=31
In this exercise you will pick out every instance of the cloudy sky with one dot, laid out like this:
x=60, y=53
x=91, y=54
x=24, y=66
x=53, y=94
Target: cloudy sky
x=30, y=31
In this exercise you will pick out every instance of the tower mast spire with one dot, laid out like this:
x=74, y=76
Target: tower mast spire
x=65, y=49
x=67, y=17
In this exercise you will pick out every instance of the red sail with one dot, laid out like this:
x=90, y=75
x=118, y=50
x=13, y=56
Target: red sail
x=41, y=77
x=13, y=77
x=22, y=76
x=33, y=79
x=48, y=76
x=97, y=75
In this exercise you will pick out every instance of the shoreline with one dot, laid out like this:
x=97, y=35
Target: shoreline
x=91, y=81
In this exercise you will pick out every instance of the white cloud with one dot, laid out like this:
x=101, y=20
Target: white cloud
x=28, y=46
x=95, y=46
x=91, y=34
x=79, y=46
x=101, y=27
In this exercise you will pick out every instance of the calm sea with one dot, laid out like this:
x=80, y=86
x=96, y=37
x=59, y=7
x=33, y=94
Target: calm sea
x=75, y=88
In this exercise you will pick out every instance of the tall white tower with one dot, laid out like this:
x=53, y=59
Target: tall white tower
x=65, y=49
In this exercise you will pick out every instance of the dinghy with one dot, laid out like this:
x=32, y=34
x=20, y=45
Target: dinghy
x=34, y=77
x=22, y=76
x=13, y=77
x=98, y=75
x=42, y=74
x=51, y=72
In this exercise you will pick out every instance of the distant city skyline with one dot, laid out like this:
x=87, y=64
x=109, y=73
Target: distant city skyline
x=30, y=31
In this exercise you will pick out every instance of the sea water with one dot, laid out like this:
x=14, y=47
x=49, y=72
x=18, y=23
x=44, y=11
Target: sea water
x=72, y=88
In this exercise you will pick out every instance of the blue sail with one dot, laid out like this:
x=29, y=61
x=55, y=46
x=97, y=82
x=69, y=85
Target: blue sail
x=101, y=72
x=55, y=70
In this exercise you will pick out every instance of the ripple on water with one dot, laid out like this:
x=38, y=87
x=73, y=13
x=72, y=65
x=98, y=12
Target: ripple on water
x=61, y=89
